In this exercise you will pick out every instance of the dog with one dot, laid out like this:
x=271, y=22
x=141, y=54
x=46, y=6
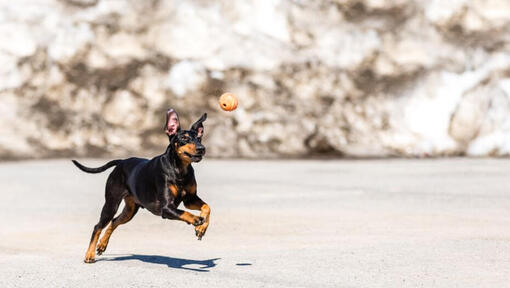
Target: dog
x=158, y=185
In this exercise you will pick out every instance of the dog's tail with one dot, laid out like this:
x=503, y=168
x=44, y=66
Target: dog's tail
x=98, y=169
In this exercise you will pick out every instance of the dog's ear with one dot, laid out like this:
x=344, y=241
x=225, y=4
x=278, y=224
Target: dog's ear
x=172, y=124
x=198, y=127
x=172, y=136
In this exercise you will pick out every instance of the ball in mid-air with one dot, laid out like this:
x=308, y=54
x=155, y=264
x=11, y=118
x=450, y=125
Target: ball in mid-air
x=228, y=101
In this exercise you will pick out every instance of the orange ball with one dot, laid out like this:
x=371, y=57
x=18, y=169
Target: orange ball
x=228, y=101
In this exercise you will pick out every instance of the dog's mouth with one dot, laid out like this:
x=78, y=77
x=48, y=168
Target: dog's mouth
x=194, y=157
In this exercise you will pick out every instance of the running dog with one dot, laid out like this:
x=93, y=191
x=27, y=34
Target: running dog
x=158, y=185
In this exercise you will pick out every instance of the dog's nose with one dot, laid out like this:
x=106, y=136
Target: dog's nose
x=201, y=150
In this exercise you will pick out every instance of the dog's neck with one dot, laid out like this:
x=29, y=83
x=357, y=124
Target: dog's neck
x=174, y=164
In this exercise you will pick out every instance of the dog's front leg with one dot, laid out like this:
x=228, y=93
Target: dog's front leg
x=171, y=212
x=169, y=209
x=195, y=203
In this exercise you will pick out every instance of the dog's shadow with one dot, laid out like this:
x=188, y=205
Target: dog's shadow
x=177, y=263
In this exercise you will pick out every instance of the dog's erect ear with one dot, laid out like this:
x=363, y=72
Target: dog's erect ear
x=198, y=127
x=172, y=124
x=172, y=136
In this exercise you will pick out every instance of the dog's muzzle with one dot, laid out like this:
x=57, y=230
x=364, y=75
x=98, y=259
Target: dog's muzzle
x=200, y=152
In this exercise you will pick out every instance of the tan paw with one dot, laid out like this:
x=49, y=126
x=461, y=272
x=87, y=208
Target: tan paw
x=200, y=230
x=101, y=247
x=89, y=260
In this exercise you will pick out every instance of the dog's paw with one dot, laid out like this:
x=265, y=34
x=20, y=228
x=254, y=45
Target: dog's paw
x=200, y=230
x=89, y=260
x=100, y=249
x=198, y=221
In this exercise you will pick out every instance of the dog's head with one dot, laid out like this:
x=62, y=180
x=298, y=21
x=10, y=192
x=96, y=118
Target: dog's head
x=187, y=144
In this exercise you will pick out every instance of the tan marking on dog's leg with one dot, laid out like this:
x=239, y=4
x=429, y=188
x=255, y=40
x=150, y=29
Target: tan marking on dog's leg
x=188, y=218
x=205, y=212
x=91, y=251
x=126, y=215
x=173, y=190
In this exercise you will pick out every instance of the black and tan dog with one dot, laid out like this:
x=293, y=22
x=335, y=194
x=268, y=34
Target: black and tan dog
x=159, y=185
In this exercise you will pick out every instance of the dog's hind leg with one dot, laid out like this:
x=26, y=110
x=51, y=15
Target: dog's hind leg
x=127, y=214
x=114, y=192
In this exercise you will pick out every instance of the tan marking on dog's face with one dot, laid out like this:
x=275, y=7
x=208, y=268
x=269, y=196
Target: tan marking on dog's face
x=187, y=148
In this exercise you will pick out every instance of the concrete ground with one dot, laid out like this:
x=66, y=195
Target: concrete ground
x=366, y=223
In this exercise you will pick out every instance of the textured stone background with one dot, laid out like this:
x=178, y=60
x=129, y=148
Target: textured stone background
x=345, y=77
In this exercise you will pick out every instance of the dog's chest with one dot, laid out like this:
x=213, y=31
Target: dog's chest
x=178, y=191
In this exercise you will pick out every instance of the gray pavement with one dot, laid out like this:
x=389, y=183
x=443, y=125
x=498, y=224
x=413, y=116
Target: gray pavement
x=365, y=223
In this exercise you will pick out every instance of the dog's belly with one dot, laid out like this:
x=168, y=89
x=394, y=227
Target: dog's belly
x=154, y=208
x=138, y=184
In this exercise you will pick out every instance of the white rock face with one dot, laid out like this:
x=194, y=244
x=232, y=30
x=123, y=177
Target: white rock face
x=345, y=77
x=184, y=77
